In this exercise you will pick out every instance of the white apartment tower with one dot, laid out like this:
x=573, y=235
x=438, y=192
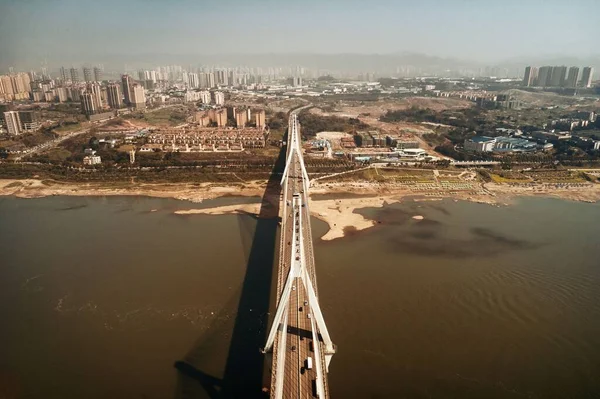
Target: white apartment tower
x=13, y=122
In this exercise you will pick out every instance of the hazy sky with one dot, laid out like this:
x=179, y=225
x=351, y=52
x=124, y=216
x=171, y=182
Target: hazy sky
x=478, y=30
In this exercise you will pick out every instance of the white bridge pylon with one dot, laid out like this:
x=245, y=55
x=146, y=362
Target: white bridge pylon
x=294, y=146
x=298, y=270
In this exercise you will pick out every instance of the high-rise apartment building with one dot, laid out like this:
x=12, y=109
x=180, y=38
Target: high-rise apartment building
x=203, y=80
x=193, y=80
x=205, y=97
x=87, y=74
x=259, y=118
x=75, y=94
x=18, y=83
x=558, y=76
x=88, y=103
x=586, y=77
x=126, y=83
x=30, y=120
x=219, y=98
x=113, y=96
x=544, y=75
x=61, y=94
x=138, y=96
x=241, y=118
x=210, y=77
x=531, y=74
x=97, y=74
x=221, y=117
x=63, y=74
x=572, y=77
x=13, y=122
x=6, y=85
x=96, y=90
x=74, y=75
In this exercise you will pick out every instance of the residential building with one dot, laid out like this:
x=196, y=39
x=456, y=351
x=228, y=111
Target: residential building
x=203, y=80
x=96, y=90
x=193, y=80
x=210, y=78
x=586, y=77
x=20, y=83
x=75, y=94
x=113, y=96
x=222, y=77
x=6, y=85
x=37, y=96
x=219, y=98
x=205, y=97
x=241, y=118
x=13, y=122
x=138, y=96
x=558, y=77
x=296, y=81
x=480, y=144
x=62, y=94
x=259, y=119
x=88, y=103
x=544, y=75
x=126, y=83
x=572, y=77
x=74, y=75
x=87, y=74
x=30, y=120
x=221, y=117
x=97, y=74
x=531, y=74
x=63, y=74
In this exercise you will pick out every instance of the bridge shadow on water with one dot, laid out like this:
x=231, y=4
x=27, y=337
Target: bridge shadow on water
x=246, y=369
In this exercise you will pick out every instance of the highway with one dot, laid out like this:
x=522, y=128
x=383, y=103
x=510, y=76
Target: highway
x=299, y=339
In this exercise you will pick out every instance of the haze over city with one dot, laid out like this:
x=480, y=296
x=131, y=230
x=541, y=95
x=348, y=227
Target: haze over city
x=185, y=31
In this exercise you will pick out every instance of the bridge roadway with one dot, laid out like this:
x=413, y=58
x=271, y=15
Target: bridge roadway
x=298, y=343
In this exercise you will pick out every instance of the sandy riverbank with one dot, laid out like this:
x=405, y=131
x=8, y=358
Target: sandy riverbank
x=337, y=213
x=33, y=188
x=337, y=209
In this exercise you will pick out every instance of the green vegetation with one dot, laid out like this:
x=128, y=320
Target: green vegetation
x=313, y=124
x=467, y=118
x=68, y=127
x=171, y=116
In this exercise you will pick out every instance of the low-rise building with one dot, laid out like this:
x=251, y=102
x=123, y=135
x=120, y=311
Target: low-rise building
x=480, y=144
x=514, y=144
x=92, y=160
x=208, y=139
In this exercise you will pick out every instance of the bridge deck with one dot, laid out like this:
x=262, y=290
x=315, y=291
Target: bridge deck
x=296, y=343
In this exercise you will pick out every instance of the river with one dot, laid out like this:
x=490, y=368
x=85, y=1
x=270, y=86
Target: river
x=118, y=297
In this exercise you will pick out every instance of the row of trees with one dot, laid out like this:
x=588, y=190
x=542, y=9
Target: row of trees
x=313, y=124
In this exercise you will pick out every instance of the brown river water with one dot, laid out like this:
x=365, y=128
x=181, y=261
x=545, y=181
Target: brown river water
x=121, y=298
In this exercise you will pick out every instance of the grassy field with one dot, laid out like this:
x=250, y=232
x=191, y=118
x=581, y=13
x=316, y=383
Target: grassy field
x=171, y=116
x=509, y=177
x=68, y=128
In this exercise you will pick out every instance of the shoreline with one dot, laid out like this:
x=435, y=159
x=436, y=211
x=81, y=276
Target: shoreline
x=338, y=213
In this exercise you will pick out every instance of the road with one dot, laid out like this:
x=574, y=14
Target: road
x=292, y=376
